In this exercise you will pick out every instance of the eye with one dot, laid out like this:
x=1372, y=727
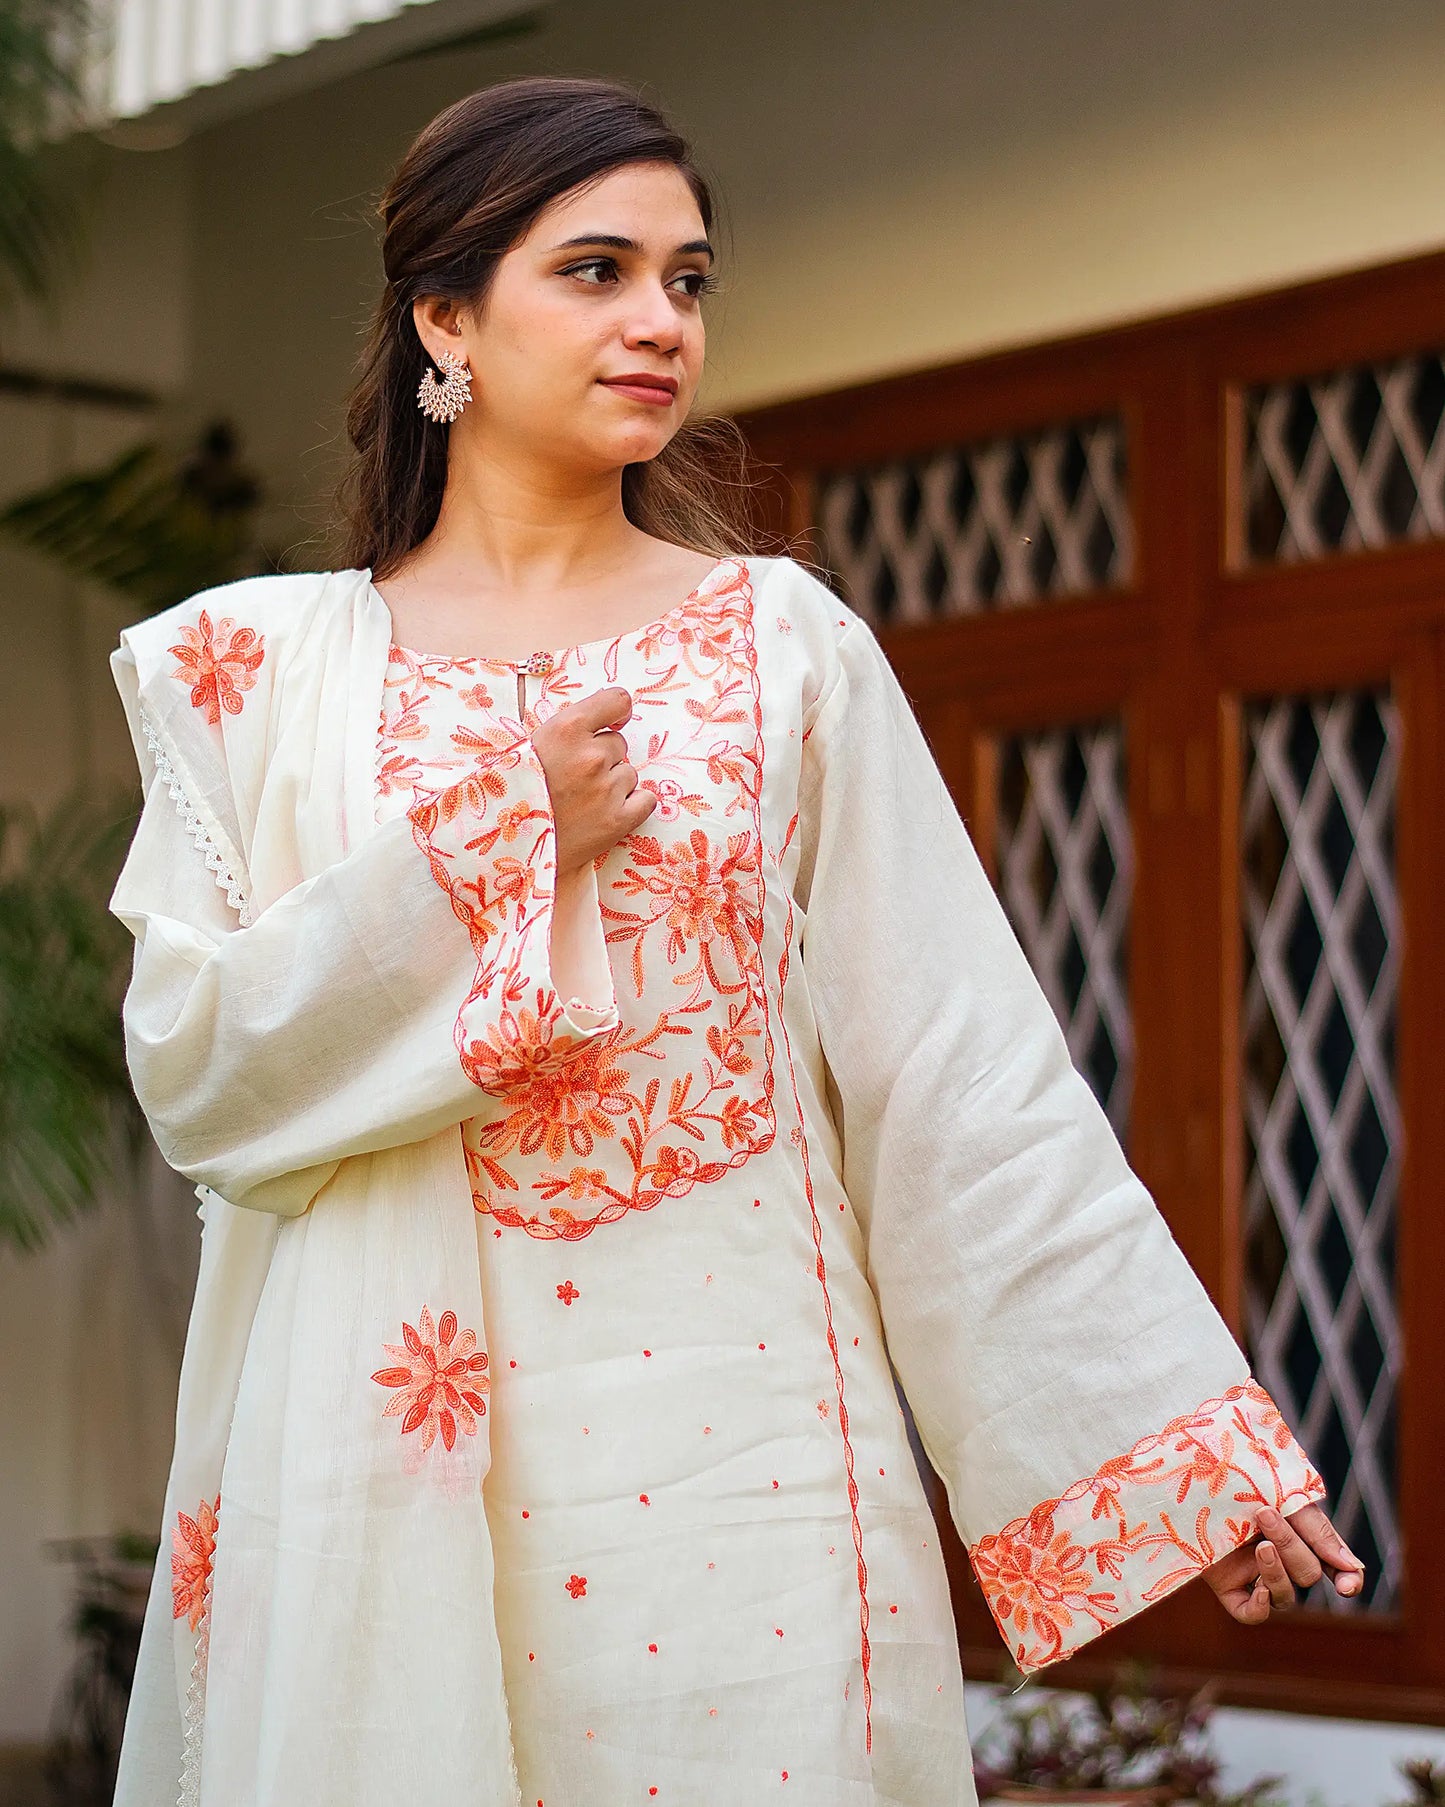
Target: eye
x=701, y=282
x=591, y=263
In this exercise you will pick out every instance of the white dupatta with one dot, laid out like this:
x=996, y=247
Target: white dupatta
x=339, y=1608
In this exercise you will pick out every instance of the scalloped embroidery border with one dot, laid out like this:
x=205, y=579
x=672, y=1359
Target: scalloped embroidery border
x=1078, y=1564
x=236, y=894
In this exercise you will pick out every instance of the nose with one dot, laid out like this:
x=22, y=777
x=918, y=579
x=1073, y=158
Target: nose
x=653, y=321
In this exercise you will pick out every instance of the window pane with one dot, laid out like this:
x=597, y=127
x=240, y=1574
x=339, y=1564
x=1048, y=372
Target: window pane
x=981, y=527
x=1356, y=458
x=1065, y=870
x=1321, y=1111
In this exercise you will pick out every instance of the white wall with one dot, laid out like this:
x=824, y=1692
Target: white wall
x=905, y=183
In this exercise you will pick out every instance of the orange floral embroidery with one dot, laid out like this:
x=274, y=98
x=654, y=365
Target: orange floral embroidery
x=1077, y=1564
x=686, y=909
x=440, y=1380
x=218, y=663
x=193, y=1545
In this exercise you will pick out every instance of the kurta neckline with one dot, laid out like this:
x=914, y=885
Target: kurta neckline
x=543, y=659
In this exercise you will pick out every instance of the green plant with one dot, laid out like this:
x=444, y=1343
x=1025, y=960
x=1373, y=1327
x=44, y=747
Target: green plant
x=67, y=1113
x=150, y=525
x=1120, y=1736
x=43, y=51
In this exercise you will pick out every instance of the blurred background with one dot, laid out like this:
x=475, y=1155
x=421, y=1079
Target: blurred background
x=1095, y=351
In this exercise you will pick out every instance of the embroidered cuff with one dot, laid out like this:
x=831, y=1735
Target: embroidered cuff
x=1143, y=1525
x=490, y=839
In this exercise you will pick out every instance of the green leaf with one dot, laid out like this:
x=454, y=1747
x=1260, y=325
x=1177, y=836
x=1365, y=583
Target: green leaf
x=150, y=525
x=67, y=1112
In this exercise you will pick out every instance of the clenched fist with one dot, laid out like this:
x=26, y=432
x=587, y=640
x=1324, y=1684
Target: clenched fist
x=592, y=784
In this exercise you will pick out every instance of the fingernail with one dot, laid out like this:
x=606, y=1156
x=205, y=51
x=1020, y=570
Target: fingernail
x=1265, y=1552
x=1268, y=1516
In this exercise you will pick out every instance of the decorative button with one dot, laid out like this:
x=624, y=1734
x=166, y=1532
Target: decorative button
x=538, y=665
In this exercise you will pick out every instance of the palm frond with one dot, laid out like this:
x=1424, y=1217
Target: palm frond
x=155, y=527
x=64, y=963
x=43, y=51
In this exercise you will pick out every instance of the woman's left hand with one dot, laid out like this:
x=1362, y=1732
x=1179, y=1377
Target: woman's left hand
x=1260, y=1577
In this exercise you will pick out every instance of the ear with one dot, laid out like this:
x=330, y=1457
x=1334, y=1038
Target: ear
x=439, y=325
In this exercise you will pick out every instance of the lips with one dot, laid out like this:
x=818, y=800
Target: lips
x=641, y=386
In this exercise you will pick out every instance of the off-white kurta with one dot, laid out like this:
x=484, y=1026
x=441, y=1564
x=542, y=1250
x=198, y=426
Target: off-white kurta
x=537, y=1438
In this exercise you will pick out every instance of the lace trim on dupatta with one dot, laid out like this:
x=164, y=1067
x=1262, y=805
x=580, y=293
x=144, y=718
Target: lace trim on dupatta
x=193, y=1724
x=236, y=894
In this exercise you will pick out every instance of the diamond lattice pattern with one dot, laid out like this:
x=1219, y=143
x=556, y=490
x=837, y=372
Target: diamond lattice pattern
x=996, y=525
x=1065, y=870
x=1348, y=460
x=1321, y=1110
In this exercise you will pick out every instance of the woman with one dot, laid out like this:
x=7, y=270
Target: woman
x=599, y=1054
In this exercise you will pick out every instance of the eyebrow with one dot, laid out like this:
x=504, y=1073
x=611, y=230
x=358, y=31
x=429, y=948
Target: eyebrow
x=629, y=244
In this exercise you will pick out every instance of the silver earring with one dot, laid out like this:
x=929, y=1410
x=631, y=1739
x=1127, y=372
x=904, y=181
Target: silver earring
x=444, y=401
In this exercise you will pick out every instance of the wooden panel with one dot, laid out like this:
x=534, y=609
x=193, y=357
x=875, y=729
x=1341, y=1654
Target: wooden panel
x=1176, y=656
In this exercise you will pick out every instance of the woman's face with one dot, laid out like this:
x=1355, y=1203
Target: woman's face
x=605, y=285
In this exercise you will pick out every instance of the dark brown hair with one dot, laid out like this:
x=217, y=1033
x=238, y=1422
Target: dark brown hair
x=467, y=190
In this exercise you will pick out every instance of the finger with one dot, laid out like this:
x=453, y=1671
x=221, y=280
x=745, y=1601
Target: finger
x=613, y=744
x=603, y=708
x=1275, y=1577
x=1250, y=1605
x=1314, y=1525
x=1301, y=1563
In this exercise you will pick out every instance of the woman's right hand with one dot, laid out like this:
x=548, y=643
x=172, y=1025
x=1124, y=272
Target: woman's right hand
x=593, y=787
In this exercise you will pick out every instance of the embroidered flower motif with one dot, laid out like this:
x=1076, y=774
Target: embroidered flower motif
x=218, y=662
x=1076, y=1565
x=193, y=1544
x=440, y=1380
x=646, y=1127
x=567, y=1292
x=577, y=1586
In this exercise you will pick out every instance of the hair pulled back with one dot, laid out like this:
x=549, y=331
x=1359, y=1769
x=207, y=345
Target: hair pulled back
x=466, y=192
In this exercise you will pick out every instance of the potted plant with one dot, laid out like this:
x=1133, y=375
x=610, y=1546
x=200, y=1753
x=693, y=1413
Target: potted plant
x=1120, y=1745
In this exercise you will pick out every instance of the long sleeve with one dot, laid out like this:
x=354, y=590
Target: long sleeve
x=1095, y=1424
x=374, y=1004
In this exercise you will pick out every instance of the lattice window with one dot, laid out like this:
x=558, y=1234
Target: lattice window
x=1320, y=1102
x=1353, y=459
x=989, y=526
x=1065, y=869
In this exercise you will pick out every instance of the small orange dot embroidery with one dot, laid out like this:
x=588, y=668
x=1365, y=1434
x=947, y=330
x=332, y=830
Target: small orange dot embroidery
x=762, y=1345
x=775, y=1484
x=525, y=1513
x=647, y=1352
x=712, y=1565
x=531, y=1656
x=653, y=1649
x=893, y=1609
x=707, y=1430
x=712, y=1712
x=778, y=1630
x=644, y=1499
x=511, y=1364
